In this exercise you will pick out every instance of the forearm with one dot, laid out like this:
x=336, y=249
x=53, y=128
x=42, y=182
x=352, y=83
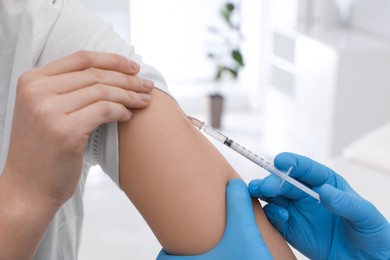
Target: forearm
x=177, y=180
x=24, y=218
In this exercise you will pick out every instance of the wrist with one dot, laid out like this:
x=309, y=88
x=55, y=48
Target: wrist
x=21, y=193
x=24, y=218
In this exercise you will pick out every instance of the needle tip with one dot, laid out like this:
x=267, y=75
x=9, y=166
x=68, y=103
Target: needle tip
x=195, y=122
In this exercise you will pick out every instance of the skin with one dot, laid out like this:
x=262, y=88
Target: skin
x=177, y=180
x=44, y=163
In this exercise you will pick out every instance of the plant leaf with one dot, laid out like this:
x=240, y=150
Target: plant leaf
x=236, y=55
x=226, y=15
x=229, y=6
x=234, y=72
x=224, y=69
x=226, y=12
x=219, y=73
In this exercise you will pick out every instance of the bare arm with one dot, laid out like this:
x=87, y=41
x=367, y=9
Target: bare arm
x=177, y=180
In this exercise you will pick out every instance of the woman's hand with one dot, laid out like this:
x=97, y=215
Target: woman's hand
x=57, y=107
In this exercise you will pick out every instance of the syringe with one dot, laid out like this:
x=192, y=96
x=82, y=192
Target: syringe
x=252, y=156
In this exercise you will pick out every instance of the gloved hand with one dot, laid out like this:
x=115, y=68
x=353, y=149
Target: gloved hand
x=241, y=239
x=342, y=226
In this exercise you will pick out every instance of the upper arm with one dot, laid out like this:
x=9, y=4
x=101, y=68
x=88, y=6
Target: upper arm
x=174, y=176
x=177, y=180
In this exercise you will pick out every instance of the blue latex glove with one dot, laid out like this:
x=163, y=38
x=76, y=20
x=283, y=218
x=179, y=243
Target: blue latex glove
x=242, y=239
x=342, y=226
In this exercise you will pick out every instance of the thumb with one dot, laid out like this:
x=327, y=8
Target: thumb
x=239, y=205
x=241, y=227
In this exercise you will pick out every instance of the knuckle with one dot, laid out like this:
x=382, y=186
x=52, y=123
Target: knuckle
x=61, y=128
x=105, y=110
x=29, y=79
x=101, y=91
x=132, y=97
x=27, y=89
x=42, y=110
x=84, y=57
x=61, y=132
x=24, y=79
x=117, y=61
x=110, y=112
x=134, y=83
x=44, y=118
x=96, y=75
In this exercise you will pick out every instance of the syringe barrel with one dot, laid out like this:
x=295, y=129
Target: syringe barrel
x=250, y=155
x=214, y=133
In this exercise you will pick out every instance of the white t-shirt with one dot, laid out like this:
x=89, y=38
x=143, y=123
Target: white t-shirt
x=34, y=33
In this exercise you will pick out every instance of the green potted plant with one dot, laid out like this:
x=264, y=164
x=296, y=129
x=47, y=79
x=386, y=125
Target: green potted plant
x=226, y=56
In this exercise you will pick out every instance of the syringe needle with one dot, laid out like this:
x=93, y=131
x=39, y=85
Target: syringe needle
x=195, y=122
x=251, y=156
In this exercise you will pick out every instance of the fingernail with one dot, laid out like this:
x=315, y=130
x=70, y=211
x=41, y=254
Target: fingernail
x=253, y=188
x=145, y=97
x=147, y=83
x=130, y=113
x=133, y=65
x=283, y=214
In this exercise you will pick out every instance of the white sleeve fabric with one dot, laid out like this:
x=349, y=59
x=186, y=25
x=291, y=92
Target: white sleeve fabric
x=79, y=29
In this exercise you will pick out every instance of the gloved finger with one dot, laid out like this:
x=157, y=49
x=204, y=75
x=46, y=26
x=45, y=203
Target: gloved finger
x=239, y=206
x=255, y=191
x=272, y=186
x=267, y=187
x=350, y=206
x=241, y=226
x=277, y=216
x=306, y=170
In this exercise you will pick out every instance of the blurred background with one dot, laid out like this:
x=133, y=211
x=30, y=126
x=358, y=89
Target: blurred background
x=307, y=76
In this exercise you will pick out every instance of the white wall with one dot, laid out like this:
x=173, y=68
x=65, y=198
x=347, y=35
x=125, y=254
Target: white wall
x=172, y=35
x=115, y=12
x=370, y=16
x=254, y=25
x=373, y=16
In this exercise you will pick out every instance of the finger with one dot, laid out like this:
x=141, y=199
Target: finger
x=239, y=206
x=305, y=169
x=76, y=80
x=255, y=190
x=73, y=81
x=92, y=116
x=277, y=216
x=350, y=206
x=272, y=186
x=241, y=223
x=79, y=99
x=267, y=187
x=82, y=60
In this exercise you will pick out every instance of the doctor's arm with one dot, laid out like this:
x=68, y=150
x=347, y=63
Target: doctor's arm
x=177, y=180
